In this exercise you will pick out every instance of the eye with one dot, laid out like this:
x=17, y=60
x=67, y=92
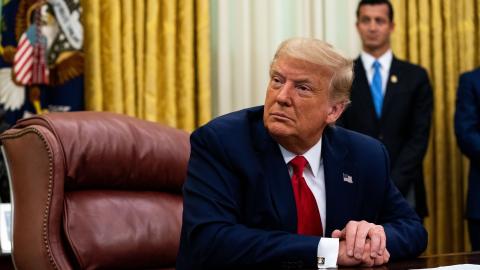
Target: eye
x=276, y=81
x=380, y=21
x=303, y=87
x=364, y=20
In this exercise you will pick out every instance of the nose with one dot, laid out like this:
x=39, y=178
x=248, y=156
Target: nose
x=284, y=96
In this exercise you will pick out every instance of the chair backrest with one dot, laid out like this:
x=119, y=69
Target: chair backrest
x=95, y=190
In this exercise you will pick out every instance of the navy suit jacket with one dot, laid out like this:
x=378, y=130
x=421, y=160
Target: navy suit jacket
x=404, y=124
x=239, y=207
x=467, y=130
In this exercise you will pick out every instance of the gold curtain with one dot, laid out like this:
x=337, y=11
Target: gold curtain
x=444, y=37
x=149, y=59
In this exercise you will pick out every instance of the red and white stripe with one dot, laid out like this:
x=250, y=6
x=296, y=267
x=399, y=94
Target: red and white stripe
x=23, y=61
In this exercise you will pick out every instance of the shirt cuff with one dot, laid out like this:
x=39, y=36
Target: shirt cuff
x=327, y=253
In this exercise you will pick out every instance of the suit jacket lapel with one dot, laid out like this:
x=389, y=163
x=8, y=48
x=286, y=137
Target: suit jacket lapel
x=392, y=85
x=363, y=87
x=341, y=196
x=277, y=177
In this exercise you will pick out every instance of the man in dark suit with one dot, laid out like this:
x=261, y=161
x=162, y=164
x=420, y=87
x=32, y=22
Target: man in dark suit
x=279, y=186
x=467, y=130
x=392, y=101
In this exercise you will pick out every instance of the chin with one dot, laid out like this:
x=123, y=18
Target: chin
x=277, y=129
x=372, y=45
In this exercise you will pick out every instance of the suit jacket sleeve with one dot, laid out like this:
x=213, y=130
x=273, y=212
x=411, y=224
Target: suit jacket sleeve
x=467, y=116
x=412, y=153
x=213, y=232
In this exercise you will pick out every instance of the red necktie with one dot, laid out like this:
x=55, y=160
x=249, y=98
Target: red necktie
x=308, y=216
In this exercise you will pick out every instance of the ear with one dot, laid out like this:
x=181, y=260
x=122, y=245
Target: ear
x=392, y=26
x=335, y=111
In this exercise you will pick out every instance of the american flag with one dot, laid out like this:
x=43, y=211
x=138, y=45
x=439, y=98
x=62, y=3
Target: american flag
x=23, y=59
x=347, y=178
x=29, y=62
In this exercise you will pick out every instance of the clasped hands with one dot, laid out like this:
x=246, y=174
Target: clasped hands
x=362, y=243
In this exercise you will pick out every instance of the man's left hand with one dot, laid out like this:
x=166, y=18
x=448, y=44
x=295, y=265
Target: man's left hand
x=356, y=233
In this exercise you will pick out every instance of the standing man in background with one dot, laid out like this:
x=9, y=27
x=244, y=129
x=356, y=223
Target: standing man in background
x=467, y=130
x=391, y=100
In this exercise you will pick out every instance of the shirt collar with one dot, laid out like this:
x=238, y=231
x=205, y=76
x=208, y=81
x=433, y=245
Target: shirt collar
x=313, y=156
x=385, y=60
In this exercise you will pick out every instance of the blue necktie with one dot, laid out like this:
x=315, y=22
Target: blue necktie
x=376, y=88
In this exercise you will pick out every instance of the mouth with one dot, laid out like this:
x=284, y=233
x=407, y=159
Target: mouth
x=280, y=116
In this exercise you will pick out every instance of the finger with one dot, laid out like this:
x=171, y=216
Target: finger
x=361, y=235
x=386, y=256
x=343, y=259
x=366, y=259
x=383, y=243
x=376, y=235
x=350, y=234
x=337, y=234
x=375, y=245
x=378, y=260
x=382, y=259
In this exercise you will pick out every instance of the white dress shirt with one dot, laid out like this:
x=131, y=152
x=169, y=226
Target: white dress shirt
x=385, y=62
x=315, y=178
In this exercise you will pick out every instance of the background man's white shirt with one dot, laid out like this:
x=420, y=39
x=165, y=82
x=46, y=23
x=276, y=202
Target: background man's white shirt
x=385, y=63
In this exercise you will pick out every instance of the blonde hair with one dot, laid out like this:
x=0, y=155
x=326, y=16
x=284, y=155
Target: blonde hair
x=323, y=54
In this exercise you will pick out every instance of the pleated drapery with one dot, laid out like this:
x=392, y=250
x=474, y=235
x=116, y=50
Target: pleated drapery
x=149, y=59
x=444, y=37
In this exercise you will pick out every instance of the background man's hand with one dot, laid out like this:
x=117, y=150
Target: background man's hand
x=363, y=243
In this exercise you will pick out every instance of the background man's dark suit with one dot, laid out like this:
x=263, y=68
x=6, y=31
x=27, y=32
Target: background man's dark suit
x=467, y=129
x=404, y=125
x=238, y=176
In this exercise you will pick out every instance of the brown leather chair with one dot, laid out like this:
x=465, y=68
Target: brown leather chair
x=95, y=190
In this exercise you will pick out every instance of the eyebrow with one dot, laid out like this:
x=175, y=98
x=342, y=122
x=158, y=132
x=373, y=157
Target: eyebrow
x=274, y=72
x=371, y=16
x=303, y=81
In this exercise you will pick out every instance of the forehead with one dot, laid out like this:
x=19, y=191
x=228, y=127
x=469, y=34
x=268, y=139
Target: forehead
x=299, y=69
x=379, y=10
